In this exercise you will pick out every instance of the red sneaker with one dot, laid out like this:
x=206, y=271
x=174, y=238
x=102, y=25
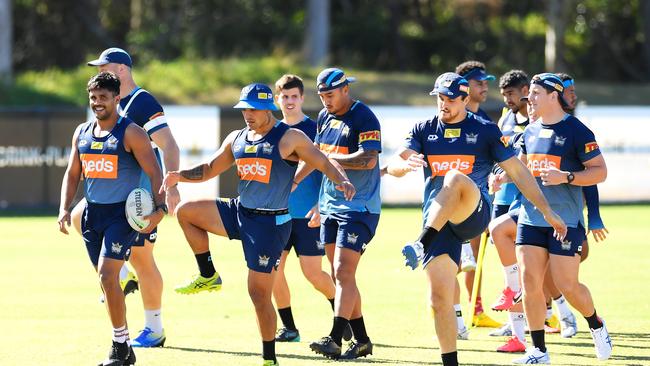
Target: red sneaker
x=505, y=301
x=513, y=345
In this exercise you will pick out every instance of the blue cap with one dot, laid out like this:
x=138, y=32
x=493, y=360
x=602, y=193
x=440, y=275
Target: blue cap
x=550, y=82
x=332, y=78
x=451, y=85
x=478, y=74
x=112, y=56
x=256, y=96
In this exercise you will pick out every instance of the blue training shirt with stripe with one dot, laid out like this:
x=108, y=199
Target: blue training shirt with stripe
x=305, y=196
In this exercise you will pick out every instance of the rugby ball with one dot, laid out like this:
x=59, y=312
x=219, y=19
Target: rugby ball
x=139, y=203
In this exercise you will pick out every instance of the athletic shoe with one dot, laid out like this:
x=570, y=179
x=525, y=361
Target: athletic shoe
x=118, y=355
x=131, y=360
x=148, y=338
x=357, y=350
x=287, y=335
x=326, y=347
x=504, y=331
x=347, y=333
x=602, y=341
x=200, y=283
x=467, y=260
x=463, y=334
x=552, y=325
x=547, y=329
x=533, y=355
x=505, y=301
x=484, y=321
x=270, y=363
x=569, y=326
x=413, y=254
x=518, y=297
x=513, y=345
x=128, y=285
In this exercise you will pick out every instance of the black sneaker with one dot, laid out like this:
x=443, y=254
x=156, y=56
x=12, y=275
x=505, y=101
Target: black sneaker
x=347, y=333
x=287, y=335
x=118, y=355
x=326, y=347
x=357, y=350
x=131, y=360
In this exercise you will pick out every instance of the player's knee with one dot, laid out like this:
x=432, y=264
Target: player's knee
x=454, y=178
x=108, y=279
x=260, y=295
x=441, y=299
x=344, y=275
x=529, y=282
x=182, y=211
x=568, y=286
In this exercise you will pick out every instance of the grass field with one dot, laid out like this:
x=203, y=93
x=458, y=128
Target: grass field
x=51, y=314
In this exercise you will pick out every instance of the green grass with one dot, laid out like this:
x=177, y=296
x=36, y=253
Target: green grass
x=51, y=314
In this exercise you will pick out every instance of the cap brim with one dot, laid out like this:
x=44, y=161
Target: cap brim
x=98, y=62
x=253, y=105
x=487, y=77
x=446, y=92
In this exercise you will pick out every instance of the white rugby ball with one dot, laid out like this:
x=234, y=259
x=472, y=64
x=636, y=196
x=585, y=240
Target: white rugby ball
x=139, y=203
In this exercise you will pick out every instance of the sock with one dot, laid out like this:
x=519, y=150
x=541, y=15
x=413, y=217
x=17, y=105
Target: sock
x=538, y=339
x=331, y=303
x=594, y=322
x=121, y=334
x=518, y=325
x=268, y=350
x=549, y=312
x=359, y=330
x=204, y=260
x=450, y=359
x=460, y=324
x=287, y=318
x=427, y=236
x=478, y=308
x=512, y=277
x=153, y=320
x=563, y=307
x=338, y=327
x=124, y=272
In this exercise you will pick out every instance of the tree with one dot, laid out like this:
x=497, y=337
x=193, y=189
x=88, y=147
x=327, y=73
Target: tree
x=5, y=41
x=316, y=44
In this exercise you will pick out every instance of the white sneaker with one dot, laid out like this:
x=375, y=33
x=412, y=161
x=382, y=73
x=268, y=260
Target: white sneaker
x=504, y=331
x=463, y=334
x=467, y=260
x=602, y=342
x=533, y=355
x=569, y=326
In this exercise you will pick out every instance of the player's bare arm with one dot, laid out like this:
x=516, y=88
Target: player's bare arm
x=595, y=172
x=69, y=185
x=406, y=160
x=521, y=176
x=359, y=160
x=221, y=161
x=171, y=155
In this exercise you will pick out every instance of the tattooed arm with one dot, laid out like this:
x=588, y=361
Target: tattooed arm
x=360, y=160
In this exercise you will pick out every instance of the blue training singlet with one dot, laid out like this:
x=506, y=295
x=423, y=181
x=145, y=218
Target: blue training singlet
x=305, y=196
x=110, y=172
x=510, y=127
x=265, y=178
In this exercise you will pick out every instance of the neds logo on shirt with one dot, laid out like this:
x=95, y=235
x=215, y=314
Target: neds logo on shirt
x=99, y=166
x=441, y=164
x=256, y=169
x=542, y=161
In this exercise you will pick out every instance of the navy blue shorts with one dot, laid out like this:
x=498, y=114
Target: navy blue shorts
x=352, y=229
x=151, y=237
x=498, y=210
x=450, y=238
x=263, y=236
x=106, y=231
x=305, y=239
x=541, y=236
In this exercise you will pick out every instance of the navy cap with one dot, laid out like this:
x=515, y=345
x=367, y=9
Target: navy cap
x=112, y=56
x=256, y=96
x=550, y=82
x=332, y=78
x=479, y=74
x=451, y=85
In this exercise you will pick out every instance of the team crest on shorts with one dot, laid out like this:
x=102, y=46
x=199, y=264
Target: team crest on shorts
x=263, y=260
x=320, y=245
x=267, y=148
x=566, y=245
x=116, y=248
x=352, y=238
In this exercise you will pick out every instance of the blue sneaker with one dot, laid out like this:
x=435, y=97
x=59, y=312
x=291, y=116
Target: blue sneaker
x=148, y=338
x=413, y=254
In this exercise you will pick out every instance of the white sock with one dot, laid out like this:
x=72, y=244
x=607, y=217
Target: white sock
x=460, y=324
x=153, y=320
x=467, y=251
x=563, y=307
x=120, y=334
x=518, y=325
x=549, y=313
x=512, y=277
x=124, y=272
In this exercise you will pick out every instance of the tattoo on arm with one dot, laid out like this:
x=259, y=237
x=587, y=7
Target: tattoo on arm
x=363, y=160
x=195, y=173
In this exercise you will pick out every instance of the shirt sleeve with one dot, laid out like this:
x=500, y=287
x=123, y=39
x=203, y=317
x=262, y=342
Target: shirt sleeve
x=147, y=113
x=586, y=145
x=413, y=139
x=593, y=207
x=369, y=132
x=499, y=147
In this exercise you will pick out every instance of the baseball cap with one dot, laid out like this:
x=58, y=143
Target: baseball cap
x=256, y=96
x=451, y=85
x=550, y=82
x=112, y=55
x=332, y=78
x=478, y=74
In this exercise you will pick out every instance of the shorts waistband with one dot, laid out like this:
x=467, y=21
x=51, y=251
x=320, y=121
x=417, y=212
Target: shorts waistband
x=264, y=211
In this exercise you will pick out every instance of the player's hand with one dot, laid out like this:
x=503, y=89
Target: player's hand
x=171, y=180
x=154, y=219
x=558, y=225
x=172, y=198
x=348, y=189
x=63, y=220
x=552, y=176
x=495, y=181
x=415, y=162
x=314, y=217
x=599, y=234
